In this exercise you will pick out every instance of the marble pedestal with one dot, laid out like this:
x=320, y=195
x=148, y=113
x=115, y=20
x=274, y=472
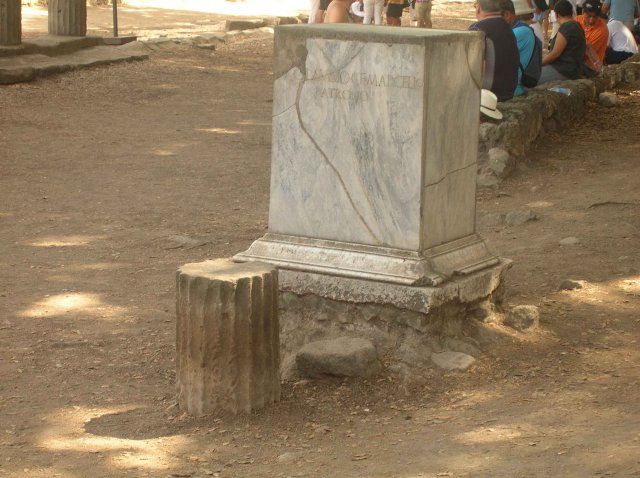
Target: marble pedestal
x=375, y=136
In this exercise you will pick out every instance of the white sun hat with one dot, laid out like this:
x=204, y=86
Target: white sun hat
x=489, y=104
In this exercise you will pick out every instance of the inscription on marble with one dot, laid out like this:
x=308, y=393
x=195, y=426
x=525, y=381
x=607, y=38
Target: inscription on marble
x=358, y=80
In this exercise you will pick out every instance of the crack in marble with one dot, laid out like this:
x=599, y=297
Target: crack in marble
x=331, y=165
x=283, y=111
x=449, y=174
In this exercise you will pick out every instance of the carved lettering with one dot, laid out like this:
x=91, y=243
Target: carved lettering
x=363, y=79
x=338, y=94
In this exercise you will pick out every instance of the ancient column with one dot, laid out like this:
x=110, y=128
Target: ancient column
x=227, y=336
x=10, y=22
x=68, y=17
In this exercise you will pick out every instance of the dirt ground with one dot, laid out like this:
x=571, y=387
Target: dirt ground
x=113, y=177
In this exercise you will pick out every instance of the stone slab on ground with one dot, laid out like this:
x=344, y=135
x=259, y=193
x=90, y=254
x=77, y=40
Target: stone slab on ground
x=51, y=45
x=343, y=356
x=247, y=24
x=28, y=67
x=452, y=360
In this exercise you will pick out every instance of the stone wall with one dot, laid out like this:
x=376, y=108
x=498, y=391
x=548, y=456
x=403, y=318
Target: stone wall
x=502, y=143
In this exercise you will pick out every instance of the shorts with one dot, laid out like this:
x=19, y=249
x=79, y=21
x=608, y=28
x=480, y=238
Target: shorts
x=423, y=11
x=324, y=4
x=394, y=10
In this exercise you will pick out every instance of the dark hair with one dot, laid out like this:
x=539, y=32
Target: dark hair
x=592, y=7
x=563, y=8
x=507, y=6
x=489, y=6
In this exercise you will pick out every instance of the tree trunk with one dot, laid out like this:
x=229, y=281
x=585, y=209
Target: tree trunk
x=68, y=17
x=10, y=22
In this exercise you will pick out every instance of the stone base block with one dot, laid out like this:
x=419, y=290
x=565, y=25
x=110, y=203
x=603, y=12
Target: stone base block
x=402, y=321
x=119, y=40
x=376, y=263
x=227, y=336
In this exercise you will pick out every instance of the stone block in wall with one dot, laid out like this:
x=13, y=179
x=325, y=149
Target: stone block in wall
x=227, y=336
x=489, y=136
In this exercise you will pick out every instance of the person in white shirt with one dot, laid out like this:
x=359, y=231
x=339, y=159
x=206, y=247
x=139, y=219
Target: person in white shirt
x=373, y=11
x=622, y=45
x=313, y=10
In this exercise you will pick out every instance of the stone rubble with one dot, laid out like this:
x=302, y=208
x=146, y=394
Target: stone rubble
x=343, y=357
x=523, y=318
x=520, y=216
x=571, y=284
x=569, y=241
x=607, y=99
x=452, y=360
x=529, y=117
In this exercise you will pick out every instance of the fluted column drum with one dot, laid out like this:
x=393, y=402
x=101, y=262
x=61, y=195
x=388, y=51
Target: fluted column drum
x=68, y=17
x=227, y=336
x=10, y=22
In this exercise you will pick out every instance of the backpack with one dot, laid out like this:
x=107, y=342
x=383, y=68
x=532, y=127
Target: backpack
x=531, y=73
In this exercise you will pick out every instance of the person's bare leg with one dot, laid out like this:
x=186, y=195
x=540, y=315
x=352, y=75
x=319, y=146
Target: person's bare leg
x=320, y=16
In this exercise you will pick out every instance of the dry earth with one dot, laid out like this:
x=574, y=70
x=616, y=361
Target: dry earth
x=114, y=177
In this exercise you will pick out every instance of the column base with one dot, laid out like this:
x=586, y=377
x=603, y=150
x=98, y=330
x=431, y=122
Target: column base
x=427, y=268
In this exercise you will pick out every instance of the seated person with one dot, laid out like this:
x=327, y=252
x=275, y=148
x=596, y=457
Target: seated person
x=525, y=36
x=567, y=48
x=622, y=45
x=501, y=60
x=339, y=11
x=596, y=35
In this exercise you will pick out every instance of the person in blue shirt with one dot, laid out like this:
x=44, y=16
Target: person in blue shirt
x=501, y=51
x=622, y=10
x=525, y=37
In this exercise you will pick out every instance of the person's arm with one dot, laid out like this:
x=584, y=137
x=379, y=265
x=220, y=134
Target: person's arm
x=558, y=48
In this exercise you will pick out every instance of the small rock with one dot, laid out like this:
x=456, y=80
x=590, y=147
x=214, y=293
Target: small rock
x=250, y=24
x=524, y=318
x=607, y=99
x=519, y=217
x=206, y=46
x=288, y=457
x=570, y=284
x=288, y=20
x=569, y=241
x=488, y=133
x=344, y=356
x=492, y=219
x=487, y=180
x=500, y=163
x=452, y=360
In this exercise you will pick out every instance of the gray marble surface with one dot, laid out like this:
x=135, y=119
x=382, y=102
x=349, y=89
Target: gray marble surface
x=364, y=133
x=347, y=145
x=375, y=134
